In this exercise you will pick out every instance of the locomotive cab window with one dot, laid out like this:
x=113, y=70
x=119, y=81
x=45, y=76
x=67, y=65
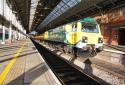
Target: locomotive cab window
x=74, y=27
x=90, y=28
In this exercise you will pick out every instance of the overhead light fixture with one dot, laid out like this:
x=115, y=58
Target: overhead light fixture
x=46, y=8
x=14, y=11
x=39, y=3
x=41, y=15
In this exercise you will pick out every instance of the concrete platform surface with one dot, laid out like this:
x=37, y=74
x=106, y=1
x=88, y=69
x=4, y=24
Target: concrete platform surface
x=21, y=64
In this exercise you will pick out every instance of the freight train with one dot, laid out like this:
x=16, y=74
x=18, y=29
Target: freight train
x=84, y=34
x=38, y=37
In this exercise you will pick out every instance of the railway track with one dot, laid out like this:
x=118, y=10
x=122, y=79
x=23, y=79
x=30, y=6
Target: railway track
x=67, y=74
x=118, y=47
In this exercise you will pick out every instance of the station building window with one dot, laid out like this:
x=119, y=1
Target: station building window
x=123, y=10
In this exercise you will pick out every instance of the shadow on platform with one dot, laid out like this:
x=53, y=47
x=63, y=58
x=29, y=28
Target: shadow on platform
x=23, y=55
x=8, y=48
x=29, y=76
x=14, y=53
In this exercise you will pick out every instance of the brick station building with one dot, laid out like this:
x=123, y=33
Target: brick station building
x=113, y=26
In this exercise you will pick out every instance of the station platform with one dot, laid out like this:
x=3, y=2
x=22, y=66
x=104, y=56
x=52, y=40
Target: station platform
x=21, y=64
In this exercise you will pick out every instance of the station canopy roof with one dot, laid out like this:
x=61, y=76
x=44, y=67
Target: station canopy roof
x=62, y=7
x=49, y=14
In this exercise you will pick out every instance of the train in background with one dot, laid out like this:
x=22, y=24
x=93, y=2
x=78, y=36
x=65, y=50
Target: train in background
x=39, y=38
x=83, y=34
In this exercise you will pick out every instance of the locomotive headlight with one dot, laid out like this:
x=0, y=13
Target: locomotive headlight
x=84, y=39
x=100, y=40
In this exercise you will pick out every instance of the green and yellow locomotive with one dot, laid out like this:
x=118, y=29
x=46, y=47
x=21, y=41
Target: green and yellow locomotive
x=83, y=34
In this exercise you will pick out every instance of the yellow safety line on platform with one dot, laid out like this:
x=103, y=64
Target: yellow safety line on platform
x=9, y=66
